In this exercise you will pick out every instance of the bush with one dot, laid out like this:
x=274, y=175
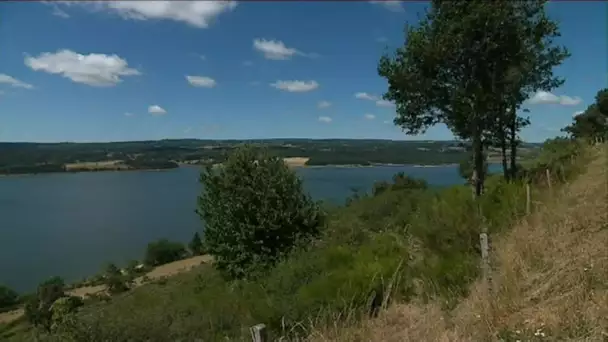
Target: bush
x=8, y=297
x=164, y=251
x=196, y=245
x=255, y=210
x=38, y=308
x=115, y=280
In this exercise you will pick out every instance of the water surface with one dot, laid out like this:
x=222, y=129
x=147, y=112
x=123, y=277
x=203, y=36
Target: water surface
x=72, y=224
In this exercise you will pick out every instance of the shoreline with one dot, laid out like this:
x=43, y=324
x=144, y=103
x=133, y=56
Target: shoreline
x=298, y=166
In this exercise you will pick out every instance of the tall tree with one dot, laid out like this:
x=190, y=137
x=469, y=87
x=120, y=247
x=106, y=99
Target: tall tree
x=465, y=64
x=592, y=124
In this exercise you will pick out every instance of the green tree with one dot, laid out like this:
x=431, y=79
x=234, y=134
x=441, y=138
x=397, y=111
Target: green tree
x=465, y=64
x=38, y=308
x=164, y=251
x=255, y=210
x=8, y=297
x=115, y=280
x=592, y=124
x=196, y=245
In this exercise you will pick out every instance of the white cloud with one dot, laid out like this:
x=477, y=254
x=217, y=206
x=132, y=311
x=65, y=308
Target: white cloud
x=129, y=114
x=195, y=13
x=393, y=6
x=201, y=81
x=323, y=104
x=296, y=86
x=544, y=97
x=369, y=116
x=13, y=82
x=384, y=103
x=578, y=113
x=277, y=50
x=325, y=119
x=95, y=69
x=156, y=110
x=366, y=96
x=58, y=12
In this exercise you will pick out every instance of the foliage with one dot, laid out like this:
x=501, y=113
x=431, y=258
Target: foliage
x=400, y=182
x=38, y=308
x=466, y=63
x=115, y=280
x=196, y=245
x=8, y=297
x=255, y=210
x=592, y=124
x=63, y=309
x=163, y=251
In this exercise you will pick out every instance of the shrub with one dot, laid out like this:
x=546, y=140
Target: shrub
x=164, y=251
x=255, y=210
x=8, y=297
x=115, y=280
x=38, y=308
x=196, y=245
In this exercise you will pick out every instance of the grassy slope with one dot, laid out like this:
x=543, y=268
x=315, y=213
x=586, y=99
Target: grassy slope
x=551, y=280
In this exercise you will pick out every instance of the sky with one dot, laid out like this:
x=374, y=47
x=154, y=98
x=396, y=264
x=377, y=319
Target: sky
x=139, y=70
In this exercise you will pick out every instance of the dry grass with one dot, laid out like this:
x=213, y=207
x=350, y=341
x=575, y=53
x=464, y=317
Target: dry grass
x=550, y=280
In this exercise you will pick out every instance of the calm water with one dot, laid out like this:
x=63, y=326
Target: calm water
x=72, y=224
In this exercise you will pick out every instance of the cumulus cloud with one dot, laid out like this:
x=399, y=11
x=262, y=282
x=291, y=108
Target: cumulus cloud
x=325, y=119
x=323, y=104
x=277, y=50
x=577, y=113
x=393, y=6
x=94, y=69
x=366, y=96
x=199, y=14
x=544, y=97
x=369, y=116
x=156, y=110
x=13, y=82
x=296, y=86
x=201, y=81
x=384, y=103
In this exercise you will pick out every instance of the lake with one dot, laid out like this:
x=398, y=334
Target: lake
x=71, y=225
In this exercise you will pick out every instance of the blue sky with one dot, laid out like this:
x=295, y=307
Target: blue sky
x=119, y=70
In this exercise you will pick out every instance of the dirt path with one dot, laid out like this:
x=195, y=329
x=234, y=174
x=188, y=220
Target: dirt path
x=166, y=270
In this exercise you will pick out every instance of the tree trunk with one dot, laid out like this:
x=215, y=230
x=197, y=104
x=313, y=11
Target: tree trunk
x=478, y=178
x=514, y=143
x=503, y=153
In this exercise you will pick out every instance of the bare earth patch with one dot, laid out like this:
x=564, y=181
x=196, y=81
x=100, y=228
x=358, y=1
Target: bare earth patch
x=296, y=161
x=159, y=272
x=103, y=165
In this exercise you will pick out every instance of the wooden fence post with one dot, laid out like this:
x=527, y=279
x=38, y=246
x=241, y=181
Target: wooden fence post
x=528, y=199
x=548, y=178
x=258, y=333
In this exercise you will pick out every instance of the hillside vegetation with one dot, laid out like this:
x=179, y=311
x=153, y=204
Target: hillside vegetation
x=550, y=279
x=405, y=243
